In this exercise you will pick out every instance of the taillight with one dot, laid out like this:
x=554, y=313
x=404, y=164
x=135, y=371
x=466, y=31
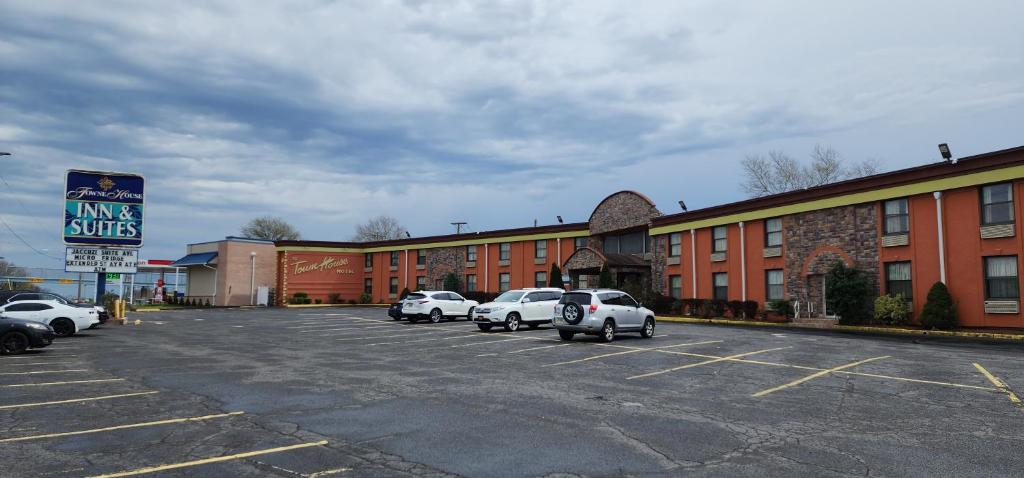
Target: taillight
x=593, y=308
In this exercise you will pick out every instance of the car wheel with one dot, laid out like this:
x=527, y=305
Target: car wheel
x=512, y=322
x=13, y=343
x=413, y=319
x=566, y=334
x=607, y=331
x=396, y=318
x=484, y=327
x=648, y=330
x=436, y=316
x=63, y=327
x=469, y=315
x=572, y=313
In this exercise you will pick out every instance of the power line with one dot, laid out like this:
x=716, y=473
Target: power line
x=23, y=241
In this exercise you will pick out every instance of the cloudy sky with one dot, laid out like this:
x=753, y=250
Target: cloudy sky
x=494, y=113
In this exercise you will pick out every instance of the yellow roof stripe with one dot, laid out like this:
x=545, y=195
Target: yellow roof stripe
x=431, y=245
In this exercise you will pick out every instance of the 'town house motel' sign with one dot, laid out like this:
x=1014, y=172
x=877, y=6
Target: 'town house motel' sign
x=103, y=209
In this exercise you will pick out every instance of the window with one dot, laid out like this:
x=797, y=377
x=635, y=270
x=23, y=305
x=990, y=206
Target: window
x=582, y=282
x=394, y=258
x=504, y=282
x=897, y=217
x=773, y=232
x=627, y=301
x=26, y=307
x=897, y=280
x=675, y=244
x=393, y=286
x=504, y=251
x=367, y=286
x=631, y=243
x=470, y=253
x=368, y=260
x=421, y=282
x=471, y=283
x=720, y=243
x=610, y=298
x=455, y=296
x=540, y=250
x=675, y=287
x=997, y=204
x=581, y=242
x=720, y=280
x=773, y=288
x=540, y=279
x=1001, y=278
x=421, y=257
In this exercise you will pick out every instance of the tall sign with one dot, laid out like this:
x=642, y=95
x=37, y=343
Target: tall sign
x=103, y=209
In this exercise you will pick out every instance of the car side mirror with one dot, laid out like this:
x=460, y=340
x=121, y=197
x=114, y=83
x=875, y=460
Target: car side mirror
x=527, y=300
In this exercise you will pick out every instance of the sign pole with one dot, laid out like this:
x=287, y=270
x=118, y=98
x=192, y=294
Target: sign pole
x=101, y=285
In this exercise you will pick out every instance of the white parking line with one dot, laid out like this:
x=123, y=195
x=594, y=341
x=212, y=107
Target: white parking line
x=496, y=341
x=337, y=329
x=540, y=348
x=46, y=371
x=431, y=339
x=655, y=349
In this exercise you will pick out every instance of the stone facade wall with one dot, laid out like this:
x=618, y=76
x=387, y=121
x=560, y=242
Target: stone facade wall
x=659, y=258
x=815, y=240
x=622, y=210
x=583, y=259
x=442, y=260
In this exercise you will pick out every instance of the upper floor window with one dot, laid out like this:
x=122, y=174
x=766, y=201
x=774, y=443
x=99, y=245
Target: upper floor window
x=1001, y=278
x=581, y=242
x=675, y=244
x=470, y=253
x=540, y=249
x=368, y=260
x=394, y=258
x=897, y=217
x=504, y=251
x=773, y=232
x=997, y=204
x=421, y=257
x=720, y=243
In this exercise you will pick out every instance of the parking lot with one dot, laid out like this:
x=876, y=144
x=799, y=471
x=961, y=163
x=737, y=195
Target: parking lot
x=350, y=392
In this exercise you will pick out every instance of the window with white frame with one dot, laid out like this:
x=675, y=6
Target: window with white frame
x=720, y=242
x=421, y=257
x=540, y=279
x=773, y=232
x=394, y=258
x=675, y=244
x=471, y=283
x=1001, y=278
x=898, y=281
x=997, y=204
x=720, y=281
x=897, y=217
x=470, y=253
x=504, y=251
x=773, y=285
x=540, y=249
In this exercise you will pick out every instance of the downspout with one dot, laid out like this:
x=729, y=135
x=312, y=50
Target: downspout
x=215, y=275
x=406, y=270
x=942, y=239
x=743, y=261
x=693, y=260
x=487, y=266
x=558, y=256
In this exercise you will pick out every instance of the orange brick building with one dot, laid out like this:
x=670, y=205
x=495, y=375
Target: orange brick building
x=953, y=222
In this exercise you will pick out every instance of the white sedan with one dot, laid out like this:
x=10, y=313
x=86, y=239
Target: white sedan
x=66, y=320
x=437, y=305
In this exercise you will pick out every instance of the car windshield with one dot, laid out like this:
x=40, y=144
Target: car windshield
x=582, y=298
x=415, y=296
x=510, y=296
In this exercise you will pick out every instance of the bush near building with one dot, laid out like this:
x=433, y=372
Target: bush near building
x=939, y=309
x=849, y=294
x=891, y=310
x=365, y=298
x=555, y=277
x=605, y=279
x=783, y=307
x=452, y=283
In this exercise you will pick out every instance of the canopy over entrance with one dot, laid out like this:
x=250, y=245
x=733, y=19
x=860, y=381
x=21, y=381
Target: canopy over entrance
x=584, y=267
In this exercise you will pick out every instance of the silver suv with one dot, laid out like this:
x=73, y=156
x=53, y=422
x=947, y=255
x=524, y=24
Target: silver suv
x=601, y=312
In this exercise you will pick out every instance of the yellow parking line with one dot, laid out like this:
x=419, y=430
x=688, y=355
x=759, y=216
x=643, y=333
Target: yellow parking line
x=816, y=375
x=45, y=384
x=76, y=400
x=636, y=350
x=174, y=466
x=122, y=427
x=45, y=371
x=1000, y=385
x=706, y=362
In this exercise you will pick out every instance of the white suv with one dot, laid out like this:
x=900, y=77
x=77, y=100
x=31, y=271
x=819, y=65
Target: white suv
x=436, y=305
x=516, y=307
x=601, y=312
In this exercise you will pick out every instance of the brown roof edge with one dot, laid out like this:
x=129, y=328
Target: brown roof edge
x=576, y=226
x=966, y=165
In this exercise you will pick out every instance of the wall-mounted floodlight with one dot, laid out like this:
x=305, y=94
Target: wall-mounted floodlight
x=682, y=205
x=944, y=149
x=560, y=220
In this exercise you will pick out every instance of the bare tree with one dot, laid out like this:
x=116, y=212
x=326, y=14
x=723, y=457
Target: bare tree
x=778, y=172
x=270, y=228
x=380, y=228
x=8, y=271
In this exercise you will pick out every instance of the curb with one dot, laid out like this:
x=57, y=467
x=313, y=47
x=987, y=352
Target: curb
x=854, y=329
x=314, y=306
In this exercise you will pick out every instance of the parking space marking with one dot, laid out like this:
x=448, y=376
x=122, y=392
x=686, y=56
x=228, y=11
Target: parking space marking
x=122, y=427
x=431, y=339
x=75, y=400
x=335, y=329
x=31, y=363
x=72, y=370
x=384, y=336
x=540, y=348
x=205, y=461
x=706, y=362
x=496, y=341
x=37, y=356
x=71, y=382
x=633, y=351
x=1000, y=385
x=815, y=375
x=328, y=472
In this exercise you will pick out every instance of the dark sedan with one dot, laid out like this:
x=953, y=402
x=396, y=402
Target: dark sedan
x=17, y=335
x=395, y=311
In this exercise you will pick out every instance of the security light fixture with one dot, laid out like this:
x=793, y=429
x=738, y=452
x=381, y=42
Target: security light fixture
x=560, y=220
x=944, y=149
x=408, y=235
x=682, y=205
x=4, y=154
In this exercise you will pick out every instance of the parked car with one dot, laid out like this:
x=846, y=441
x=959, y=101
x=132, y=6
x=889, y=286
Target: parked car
x=601, y=312
x=17, y=335
x=395, y=311
x=66, y=320
x=436, y=305
x=516, y=307
x=15, y=295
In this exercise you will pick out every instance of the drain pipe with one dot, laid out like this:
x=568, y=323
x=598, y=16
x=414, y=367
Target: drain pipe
x=215, y=275
x=743, y=261
x=693, y=260
x=942, y=242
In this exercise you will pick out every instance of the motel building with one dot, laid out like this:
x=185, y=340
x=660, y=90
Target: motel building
x=954, y=222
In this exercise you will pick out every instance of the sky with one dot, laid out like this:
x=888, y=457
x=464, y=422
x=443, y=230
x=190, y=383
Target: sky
x=493, y=113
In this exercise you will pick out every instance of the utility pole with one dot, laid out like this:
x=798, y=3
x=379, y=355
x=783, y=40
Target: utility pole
x=458, y=227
